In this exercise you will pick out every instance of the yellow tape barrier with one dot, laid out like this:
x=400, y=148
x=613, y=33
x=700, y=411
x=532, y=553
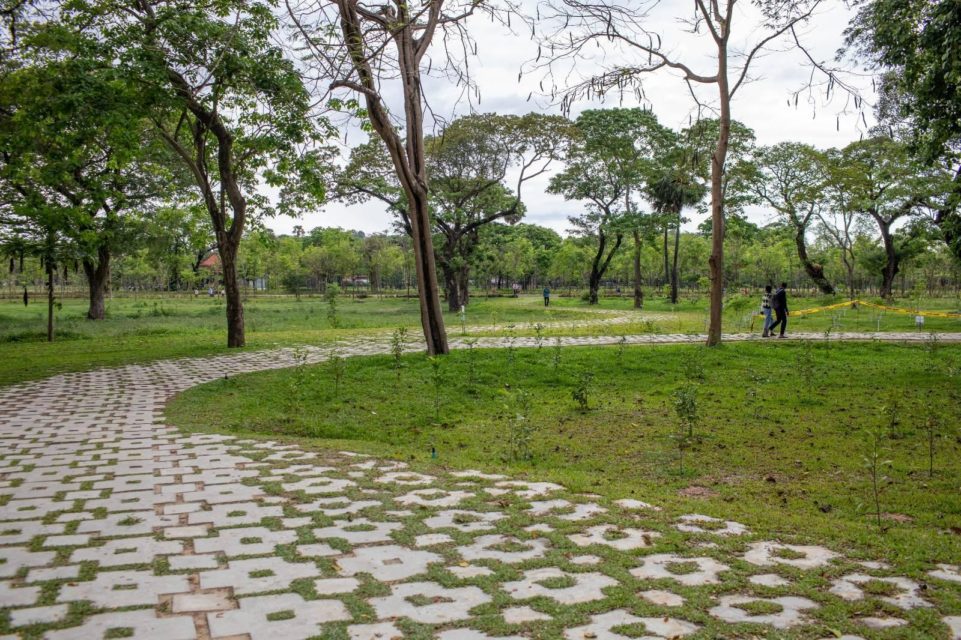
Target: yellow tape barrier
x=851, y=303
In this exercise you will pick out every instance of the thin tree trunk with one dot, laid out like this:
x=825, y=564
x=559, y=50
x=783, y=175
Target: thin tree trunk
x=50, y=296
x=638, y=290
x=718, y=158
x=677, y=249
x=667, y=268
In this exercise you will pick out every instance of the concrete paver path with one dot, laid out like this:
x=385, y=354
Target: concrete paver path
x=114, y=525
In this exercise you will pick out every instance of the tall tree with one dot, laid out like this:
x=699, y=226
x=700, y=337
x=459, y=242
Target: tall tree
x=468, y=165
x=361, y=48
x=792, y=180
x=876, y=177
x=614, y=150
x=222, y=95
x=67, y=129
x=916, y=45
x=575, y=28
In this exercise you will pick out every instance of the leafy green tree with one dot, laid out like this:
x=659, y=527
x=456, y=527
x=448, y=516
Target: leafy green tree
x=66, y=129
x=468, y=166
x=879, y=177
x=792, y=179
x=220, y=92
x=612, y=153
x=917, y=46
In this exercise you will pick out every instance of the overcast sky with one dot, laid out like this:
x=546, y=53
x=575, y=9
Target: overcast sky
x=766, y=104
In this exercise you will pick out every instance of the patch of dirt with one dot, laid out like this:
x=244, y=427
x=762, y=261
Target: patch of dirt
x=897, y=517
x=695, y=491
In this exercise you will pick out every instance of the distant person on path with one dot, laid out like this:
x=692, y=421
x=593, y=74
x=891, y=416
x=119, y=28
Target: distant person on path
x=779, y=303
x=547, y=296
x=766, y=311
x=26, y=297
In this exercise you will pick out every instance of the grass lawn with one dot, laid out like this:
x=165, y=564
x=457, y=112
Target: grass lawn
x=780, y=444
x=156, y=327
x=144, y=328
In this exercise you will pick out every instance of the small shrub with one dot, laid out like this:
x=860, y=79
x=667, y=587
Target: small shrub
x=331, y=294
x=520, y=427
x=556, y=355
x=398, y=341
x=338, y=370
x=584, y=387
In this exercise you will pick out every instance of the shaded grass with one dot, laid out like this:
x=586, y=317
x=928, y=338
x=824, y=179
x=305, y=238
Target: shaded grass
x=796, y=468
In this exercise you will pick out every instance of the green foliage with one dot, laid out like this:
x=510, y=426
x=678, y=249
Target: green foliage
x=875, y=465
x=520, y=428
x=398, y=342
x=331, y=295
x=583, y=390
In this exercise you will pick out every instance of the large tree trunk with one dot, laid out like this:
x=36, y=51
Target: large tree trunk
x=451, y=286
x=677, y=250
x=235, y=306
x=638, y=291
x=98, y=278
x=594, y=280
x=890, y=269
x=814, y=271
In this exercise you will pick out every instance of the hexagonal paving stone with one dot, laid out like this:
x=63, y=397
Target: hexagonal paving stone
x=794, y=555
x=790, y=614
x=605, y=626
x=428, y=602
x=696, y=571
x=378, y=631
x=359, y=531
x=462, y=520
x=696, y=523
x=949, y=572
x=286, y=616
x=434, y=497
x=560, y=586
x=506, y=549
x=625, y=539
x=907, y=592
x=115, y=589
x=139, y=625
x=256, y=575
x=387, y=563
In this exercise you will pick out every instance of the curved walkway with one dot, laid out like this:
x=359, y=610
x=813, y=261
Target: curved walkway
x=114, y=525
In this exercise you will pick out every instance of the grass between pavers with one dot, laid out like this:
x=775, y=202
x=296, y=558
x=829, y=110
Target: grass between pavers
x=769, y=451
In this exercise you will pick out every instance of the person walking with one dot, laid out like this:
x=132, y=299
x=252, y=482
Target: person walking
x=779, y=303
x=547, y=296
x=766, y=311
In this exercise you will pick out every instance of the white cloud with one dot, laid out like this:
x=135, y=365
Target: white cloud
x=765, y=104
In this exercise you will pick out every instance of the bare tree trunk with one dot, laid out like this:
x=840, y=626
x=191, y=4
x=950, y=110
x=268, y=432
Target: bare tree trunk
x=638, y=290
x=50, y=292
x=677, y=250
x=98, y=278
x=667, y=268
x=718, y=158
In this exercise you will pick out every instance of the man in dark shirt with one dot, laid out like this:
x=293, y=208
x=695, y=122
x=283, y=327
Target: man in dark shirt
x=779, y=303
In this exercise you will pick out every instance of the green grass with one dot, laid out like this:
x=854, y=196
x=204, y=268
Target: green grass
x=145, y=328
x=159, y=327
x=783, y=456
